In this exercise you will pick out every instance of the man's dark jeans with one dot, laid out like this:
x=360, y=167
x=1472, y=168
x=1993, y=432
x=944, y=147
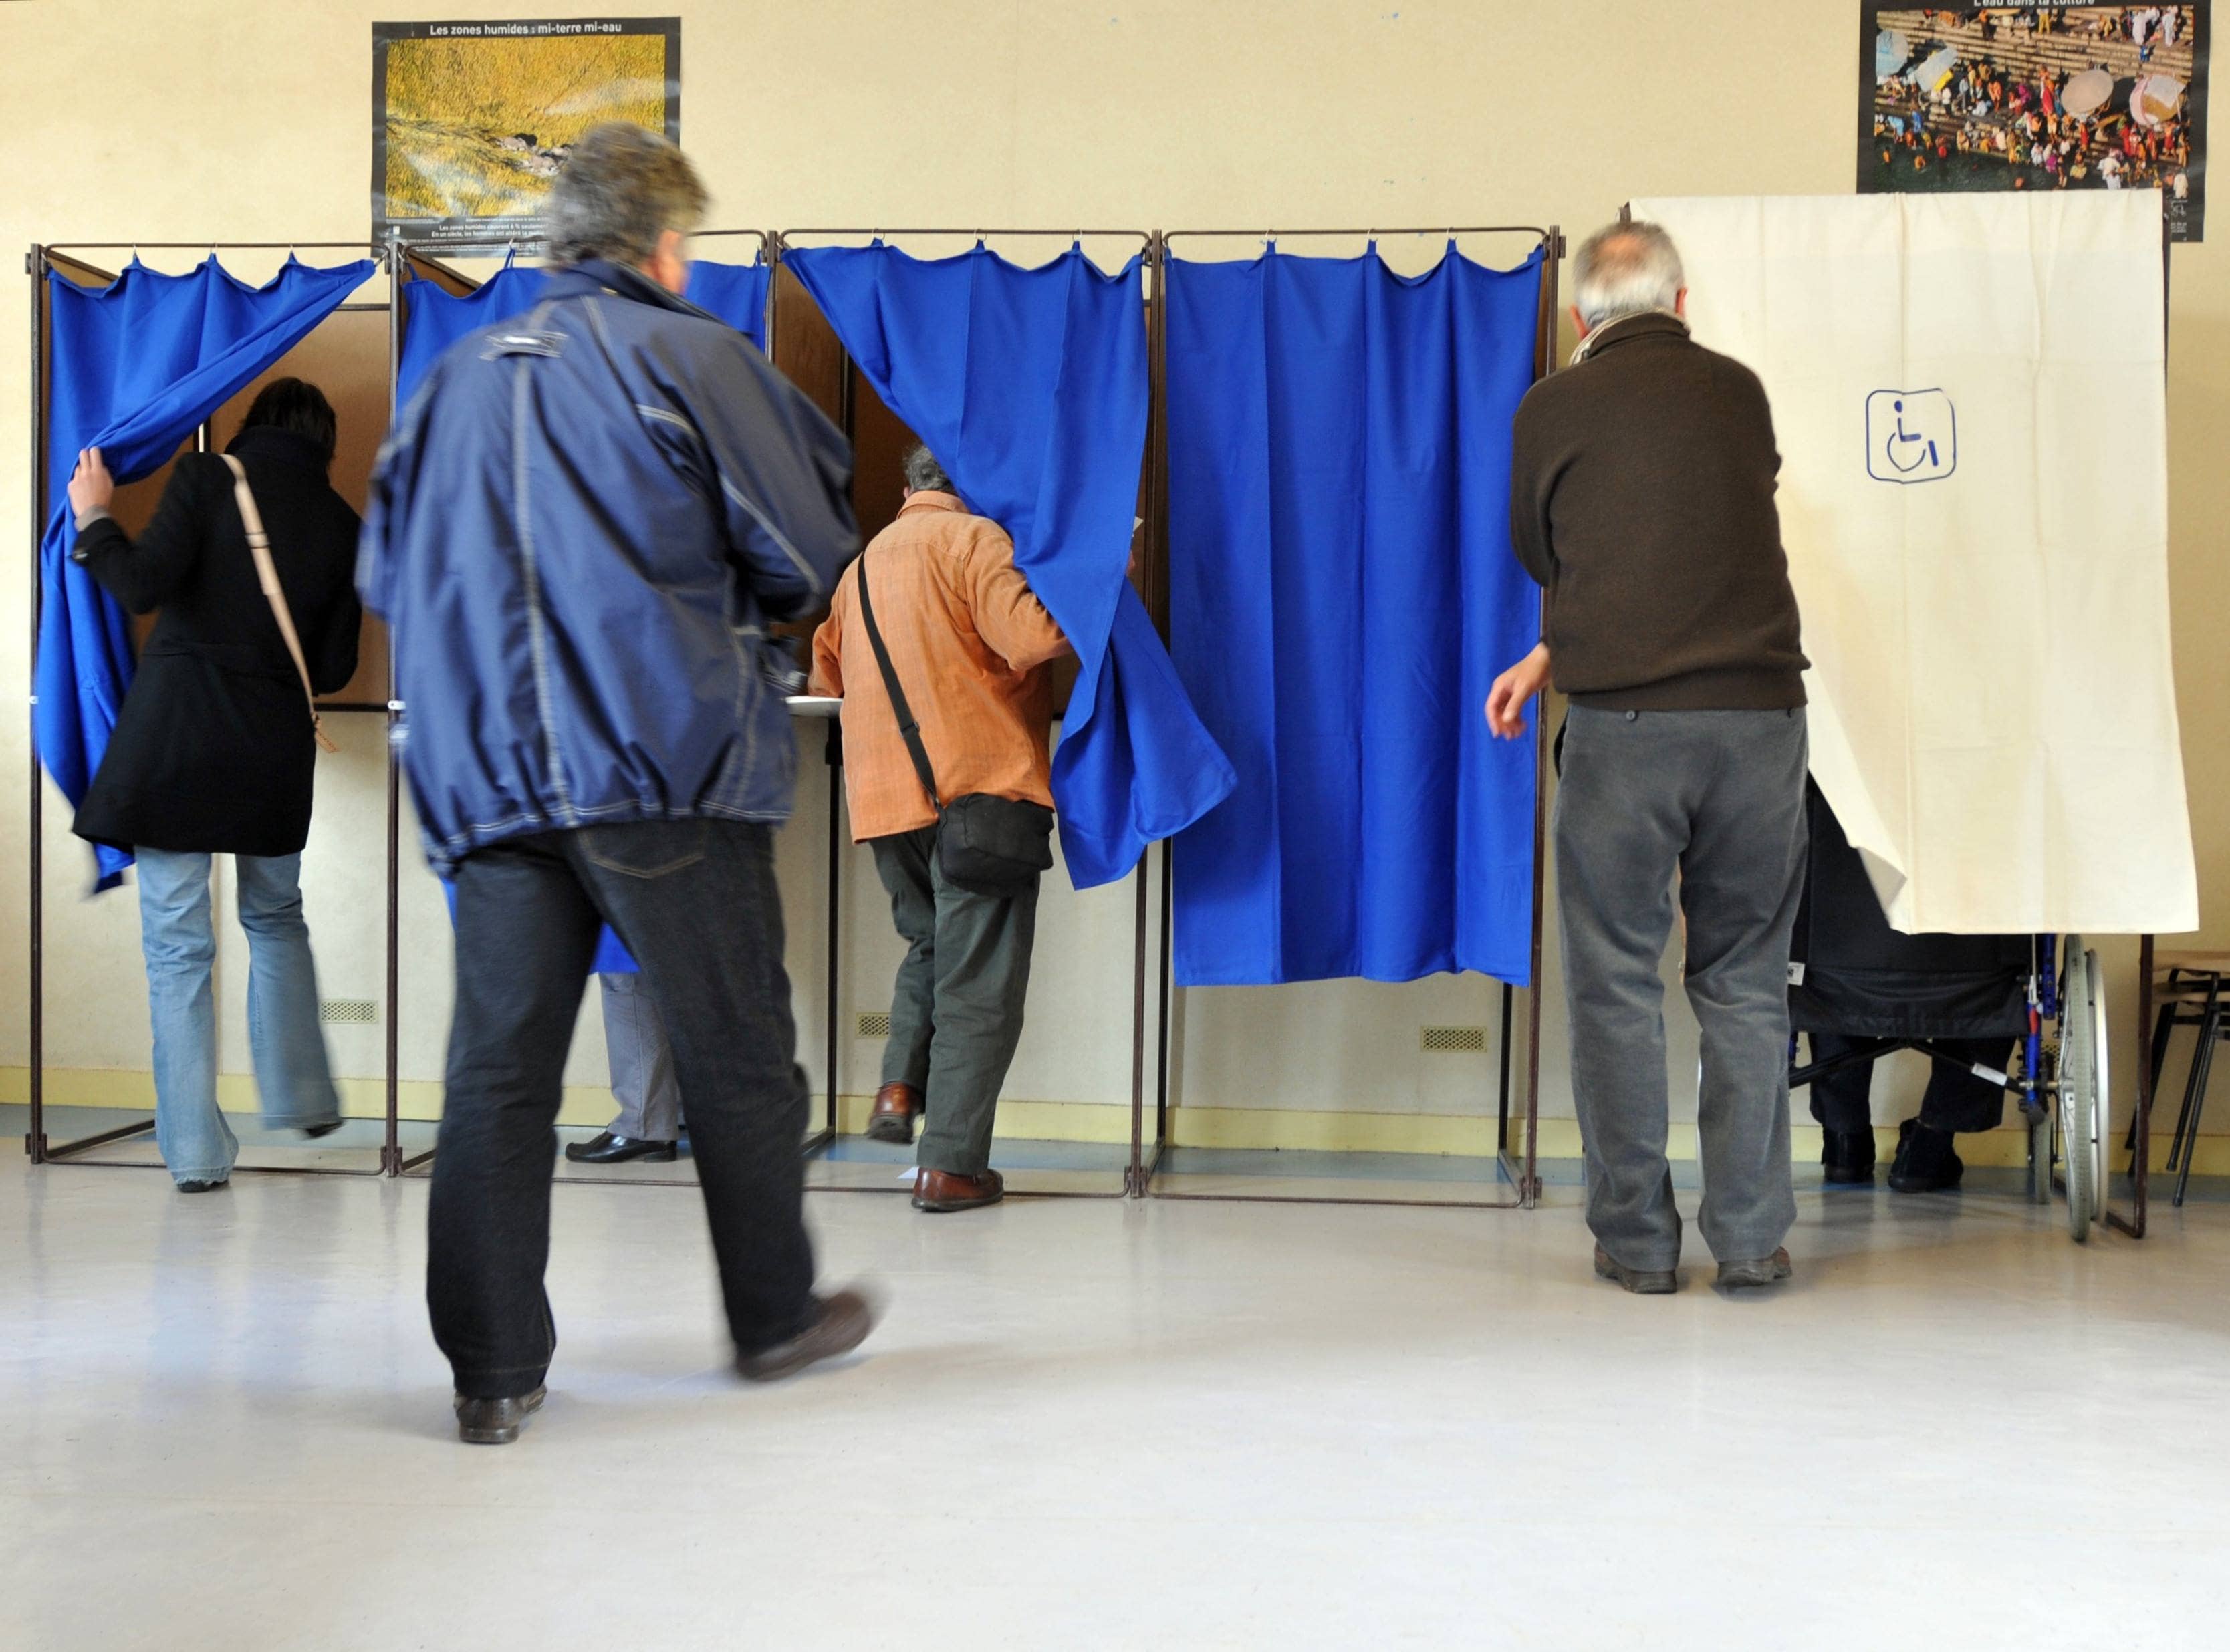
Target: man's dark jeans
x=695, y=902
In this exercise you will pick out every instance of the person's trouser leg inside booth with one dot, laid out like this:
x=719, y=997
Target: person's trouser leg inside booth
x=1956, y=1102
x=966, y=979
x=903, y=864
x=294, y=1079
x=527, y=918
x=1717, y=797
x=648, y=1122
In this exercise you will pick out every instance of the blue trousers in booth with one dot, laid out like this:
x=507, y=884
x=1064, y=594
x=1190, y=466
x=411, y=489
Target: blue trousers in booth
x=294, y=1081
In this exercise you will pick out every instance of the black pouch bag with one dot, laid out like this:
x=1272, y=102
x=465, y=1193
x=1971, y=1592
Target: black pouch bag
x=985, y=844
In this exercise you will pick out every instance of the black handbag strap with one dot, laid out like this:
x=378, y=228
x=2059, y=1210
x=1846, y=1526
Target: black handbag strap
x=908, y=728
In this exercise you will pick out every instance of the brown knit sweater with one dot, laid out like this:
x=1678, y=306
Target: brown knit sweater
x=1641, y=498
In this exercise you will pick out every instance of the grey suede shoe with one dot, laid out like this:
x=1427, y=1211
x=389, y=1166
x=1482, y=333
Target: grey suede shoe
x=1760, y=1270
x=1642, y=1282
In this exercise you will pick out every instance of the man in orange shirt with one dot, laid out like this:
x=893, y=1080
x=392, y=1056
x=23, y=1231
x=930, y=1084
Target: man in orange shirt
x=970, y=646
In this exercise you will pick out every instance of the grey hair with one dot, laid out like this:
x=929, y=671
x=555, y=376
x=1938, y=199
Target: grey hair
x=622, y=188
x=1625, y=269
x=925, y=475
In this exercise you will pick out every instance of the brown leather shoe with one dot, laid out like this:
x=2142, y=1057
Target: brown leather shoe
x=897, y=1106
x=945, y=1190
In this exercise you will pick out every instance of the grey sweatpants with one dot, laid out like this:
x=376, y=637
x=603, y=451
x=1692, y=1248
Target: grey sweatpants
x=1718, y=797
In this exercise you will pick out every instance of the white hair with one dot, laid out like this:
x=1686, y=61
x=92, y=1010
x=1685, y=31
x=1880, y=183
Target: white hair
x=1625, y=269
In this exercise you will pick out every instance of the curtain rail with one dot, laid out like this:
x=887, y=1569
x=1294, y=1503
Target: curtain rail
x=217, y=245
x=1146, y=235
x=1535, y=231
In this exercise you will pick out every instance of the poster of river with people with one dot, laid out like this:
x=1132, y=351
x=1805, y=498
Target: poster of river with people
x=2036, y=96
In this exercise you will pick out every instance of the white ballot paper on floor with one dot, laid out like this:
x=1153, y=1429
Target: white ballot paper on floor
x=1969, y=398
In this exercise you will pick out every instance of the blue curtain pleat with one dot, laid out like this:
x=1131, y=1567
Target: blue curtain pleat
x=135, y=367
x=1343, y=596
x=433, y=319
x=1030, y=386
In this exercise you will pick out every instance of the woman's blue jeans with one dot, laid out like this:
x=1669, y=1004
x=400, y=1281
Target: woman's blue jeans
x=293, y=1082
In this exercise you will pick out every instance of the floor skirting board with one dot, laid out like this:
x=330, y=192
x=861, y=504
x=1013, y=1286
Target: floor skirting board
x=1292, y=1129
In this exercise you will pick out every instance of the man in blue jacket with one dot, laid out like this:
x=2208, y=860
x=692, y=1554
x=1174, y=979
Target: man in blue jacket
x=579, y=531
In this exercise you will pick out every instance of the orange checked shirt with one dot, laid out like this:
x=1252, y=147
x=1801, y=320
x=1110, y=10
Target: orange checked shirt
x=971, y=644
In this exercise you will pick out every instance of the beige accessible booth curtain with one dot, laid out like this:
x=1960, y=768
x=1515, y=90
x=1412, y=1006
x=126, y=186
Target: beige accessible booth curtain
x=1969, y=398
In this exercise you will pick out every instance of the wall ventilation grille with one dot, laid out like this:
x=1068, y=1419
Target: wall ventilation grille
x=1448, y=1040
x=874, y=1024
x=355, y=1012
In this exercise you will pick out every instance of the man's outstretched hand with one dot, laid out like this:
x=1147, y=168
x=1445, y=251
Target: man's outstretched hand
x=1505, y=701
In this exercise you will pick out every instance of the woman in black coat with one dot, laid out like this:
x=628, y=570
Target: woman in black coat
x=214, y=753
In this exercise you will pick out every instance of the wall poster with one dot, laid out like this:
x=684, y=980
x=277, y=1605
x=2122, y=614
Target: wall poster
x=472, y=121
x=2036, y=96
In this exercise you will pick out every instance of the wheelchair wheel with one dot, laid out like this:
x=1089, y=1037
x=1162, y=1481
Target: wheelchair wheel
x=2078, y=1086
x=2102, y=1134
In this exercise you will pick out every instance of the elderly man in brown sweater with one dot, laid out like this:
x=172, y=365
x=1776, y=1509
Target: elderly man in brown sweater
x=970, y=645
x=1642, y=488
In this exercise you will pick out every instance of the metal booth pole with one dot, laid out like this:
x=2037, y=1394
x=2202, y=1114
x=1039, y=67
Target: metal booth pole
x=1522, y=1172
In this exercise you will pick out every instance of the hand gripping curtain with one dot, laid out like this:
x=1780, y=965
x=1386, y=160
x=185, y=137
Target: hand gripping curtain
x=1343, y=593
x=136, y=366
x=433, y=319
x=1030, y=386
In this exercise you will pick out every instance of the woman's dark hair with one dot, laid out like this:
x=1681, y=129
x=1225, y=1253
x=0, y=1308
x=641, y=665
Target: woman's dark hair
x=299, y=405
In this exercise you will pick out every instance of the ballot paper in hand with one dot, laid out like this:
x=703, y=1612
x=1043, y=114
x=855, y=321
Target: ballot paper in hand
x=1969, y=397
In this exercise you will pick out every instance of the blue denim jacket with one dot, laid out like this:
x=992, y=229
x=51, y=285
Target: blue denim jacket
x=578, y=532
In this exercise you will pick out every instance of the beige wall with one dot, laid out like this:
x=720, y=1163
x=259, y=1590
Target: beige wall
x=247, y=121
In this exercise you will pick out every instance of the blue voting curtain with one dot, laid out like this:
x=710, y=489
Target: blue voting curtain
x=434, y=319
x=137, y=366
x=1343, y=596
x=1030, y=386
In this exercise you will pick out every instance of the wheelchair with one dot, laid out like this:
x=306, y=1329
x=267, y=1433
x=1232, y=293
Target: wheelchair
x=1851, y=974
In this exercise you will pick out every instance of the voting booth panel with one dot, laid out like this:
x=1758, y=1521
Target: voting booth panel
x=187, y=352
x=1342, y=595
x=1024, y=366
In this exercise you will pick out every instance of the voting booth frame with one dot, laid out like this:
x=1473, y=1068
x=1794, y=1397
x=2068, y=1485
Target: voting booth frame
x=803, y=344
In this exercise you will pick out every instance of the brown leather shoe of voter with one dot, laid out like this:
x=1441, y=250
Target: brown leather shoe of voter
x=945, y=1190
x=897, y=1106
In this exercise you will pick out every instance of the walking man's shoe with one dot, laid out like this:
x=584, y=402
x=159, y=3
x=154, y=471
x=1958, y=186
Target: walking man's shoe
x=897, y=1106
x=946, y=1189
x=840, y=1323
x=609, y=1149
x=1762, y=1270
x=495, y=1422
x=1642, y=1282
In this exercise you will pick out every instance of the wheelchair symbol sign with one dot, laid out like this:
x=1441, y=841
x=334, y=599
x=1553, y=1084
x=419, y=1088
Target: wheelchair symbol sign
x=1911, y=436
